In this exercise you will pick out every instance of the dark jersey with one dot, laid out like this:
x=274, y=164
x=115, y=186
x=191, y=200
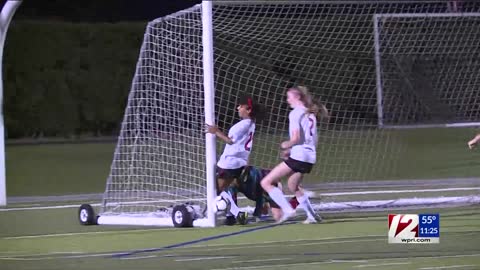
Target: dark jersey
x=249, y=184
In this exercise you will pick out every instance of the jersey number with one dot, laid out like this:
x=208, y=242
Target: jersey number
x=249, y=140
x=312, y=122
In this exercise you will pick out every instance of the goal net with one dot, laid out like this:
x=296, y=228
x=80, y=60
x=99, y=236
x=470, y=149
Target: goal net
x=427, y=69
x=372, y=63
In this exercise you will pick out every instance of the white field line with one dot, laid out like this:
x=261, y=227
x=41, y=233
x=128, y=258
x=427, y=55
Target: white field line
x=82, y=233
x=278, y=265
x=448, y=267
x=256, y=246
x=380, y=264
x=287, y=241
x=313, y=194
x=204, y=258
x=398, y=191
x=49, y=256
x=264, y=260
x=273, y=266
x=44, y=207
x=427, y=257
x=138, y=258
x=290, y=266
x=349, y=261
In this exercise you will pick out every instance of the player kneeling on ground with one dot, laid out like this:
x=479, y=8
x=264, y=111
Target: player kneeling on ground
x=249, y=184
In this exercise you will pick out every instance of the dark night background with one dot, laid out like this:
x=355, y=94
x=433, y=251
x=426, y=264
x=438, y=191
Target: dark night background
x=99, y=10
x=68, y=65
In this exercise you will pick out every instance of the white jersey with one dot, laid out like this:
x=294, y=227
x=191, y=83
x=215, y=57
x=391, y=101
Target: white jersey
x=235, y=155
x=306, y=149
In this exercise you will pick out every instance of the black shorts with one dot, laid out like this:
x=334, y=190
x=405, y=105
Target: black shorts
x=229, y=173
x=299, y=166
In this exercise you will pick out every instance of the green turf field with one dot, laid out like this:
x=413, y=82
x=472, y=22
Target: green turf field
x=35, y=237
x=52, y=239
x=58, y=169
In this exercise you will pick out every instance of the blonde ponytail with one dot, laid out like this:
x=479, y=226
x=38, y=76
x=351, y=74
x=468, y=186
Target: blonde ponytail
x=312, y=106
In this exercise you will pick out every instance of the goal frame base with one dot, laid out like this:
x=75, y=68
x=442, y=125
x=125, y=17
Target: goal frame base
x=147, y=221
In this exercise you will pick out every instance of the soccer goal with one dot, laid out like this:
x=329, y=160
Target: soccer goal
x=426, y=68
x=374, y=64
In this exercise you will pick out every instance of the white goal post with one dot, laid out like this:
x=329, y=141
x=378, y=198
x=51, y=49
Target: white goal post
x=408, y=32
x=6, y=16
x=202, y=216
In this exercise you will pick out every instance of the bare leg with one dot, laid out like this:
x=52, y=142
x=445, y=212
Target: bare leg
x=223, y=184
x=276, y=213
x=281, y=170
x=275, y=193
x=294, y=184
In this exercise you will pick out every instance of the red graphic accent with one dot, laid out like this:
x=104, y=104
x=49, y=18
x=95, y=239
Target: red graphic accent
x=390, y=218
x=249, y=140
x=402, y=225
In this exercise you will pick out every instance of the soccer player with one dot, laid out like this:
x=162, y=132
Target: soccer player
x=473, y=142
x=238, y=146
x=249, y=184
x=299, y=151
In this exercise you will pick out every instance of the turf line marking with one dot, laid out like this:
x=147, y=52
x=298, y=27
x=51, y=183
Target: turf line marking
x=427, y=257
x=44, y=207
x=290, y=241
x=22, y=258
x=26, y=259
x=84, y=233
x=448, y=267
x=313, y=194
x=275, y=265
x=255, y=246
x=187, y=243
x=204, y=258
x=27, y=255
x=380, y=264
x=139, y=258
x=349, y=261
x=88, y=255
x=397, y=191
x=264, y=260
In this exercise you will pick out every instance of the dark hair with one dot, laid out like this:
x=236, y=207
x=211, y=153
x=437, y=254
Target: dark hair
x=257, y=111
x=312, y=105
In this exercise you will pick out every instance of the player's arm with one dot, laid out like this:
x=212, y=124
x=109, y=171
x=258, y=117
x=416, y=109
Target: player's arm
x=473, y=142
x=294, y=121
x=295, y=139
x=217, y=132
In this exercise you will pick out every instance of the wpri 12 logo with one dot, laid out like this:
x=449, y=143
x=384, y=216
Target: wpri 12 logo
x=414, y=229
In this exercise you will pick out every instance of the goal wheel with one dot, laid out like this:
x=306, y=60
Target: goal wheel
x=86, y=215
x=181, y=217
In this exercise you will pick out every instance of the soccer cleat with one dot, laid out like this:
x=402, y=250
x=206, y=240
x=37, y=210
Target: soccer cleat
x=315, y=220
x=309, y=193
x=242, y=218
x=286, y=216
